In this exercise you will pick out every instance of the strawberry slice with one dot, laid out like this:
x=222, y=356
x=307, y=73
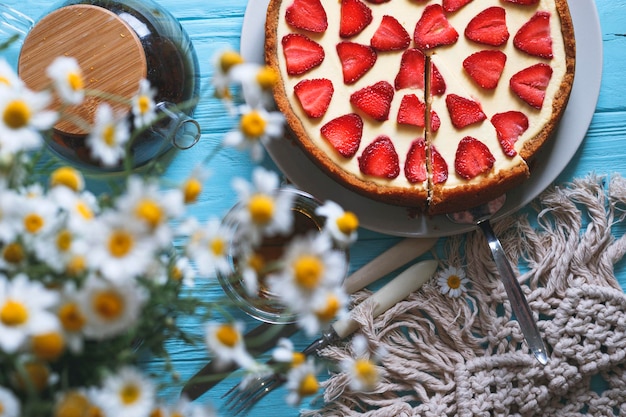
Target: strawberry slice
x=374, y=100
x=390, y=36
x=534, y=36
x=380, y=159
x=523, y=2
x=472, y=158
x=415, y=164
x=463, y=111
x=356, y=60
x=412, y=112
x=438, y=167
x=433, y=29
x=488, y=27
x=354, y=17
x=485, y=67
x=307, y=15
x=451, y=6
x=301, y=53
x=377, y=1
x=344, y=134
x=412, y=75
x=509, y=127
x=530, y=84
x=314, y=96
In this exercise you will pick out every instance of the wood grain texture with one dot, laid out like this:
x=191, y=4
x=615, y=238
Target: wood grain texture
x=216, y=24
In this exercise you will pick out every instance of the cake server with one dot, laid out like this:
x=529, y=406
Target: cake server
x=480, y=216
x=264, y=336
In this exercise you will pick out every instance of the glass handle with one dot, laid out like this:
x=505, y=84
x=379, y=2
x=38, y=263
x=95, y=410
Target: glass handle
x=180, y=130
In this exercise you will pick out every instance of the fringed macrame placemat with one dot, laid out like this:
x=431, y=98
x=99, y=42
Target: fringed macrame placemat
x=466, y=357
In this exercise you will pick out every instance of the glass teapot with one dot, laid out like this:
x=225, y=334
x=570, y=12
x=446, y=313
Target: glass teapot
x=117, y=43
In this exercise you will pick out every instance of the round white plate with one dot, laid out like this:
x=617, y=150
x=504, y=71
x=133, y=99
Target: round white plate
x=395, y=220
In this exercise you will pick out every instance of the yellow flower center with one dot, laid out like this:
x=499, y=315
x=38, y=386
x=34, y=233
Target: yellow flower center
x=157, y=412
x=229, y=59
x=308, y=385
x=33, y=222
x=76, y=265
x=330, y=309
x=120, y=243
x=308, y=270
x=13, y=253
x=267, y=78
x=253, y=124
x=150, y=212
x=16, y=114
x=257, y=262
x=67, y=176
x=108, y=135
x=348, y=223
x=84, y=210
x=13, y=313
x=176, y=274
x=143, y=103
x=129, y=394
x=37, y=375
x=4, y=80
x=366, y=372
x=48, y=346
x=64, y=240
x=227, y=335
x=73, y=404
x=192, y=190
x=71, y=317
x=75, y=81
x=108, y=304
x=218, y=246
x=297, y=359
x=454, y=282
x=261, y=208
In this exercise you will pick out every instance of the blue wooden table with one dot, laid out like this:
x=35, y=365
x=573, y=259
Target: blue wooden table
x=216, y=24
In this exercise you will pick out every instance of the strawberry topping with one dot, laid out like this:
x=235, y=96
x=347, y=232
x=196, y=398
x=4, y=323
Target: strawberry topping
x=415, y=164
x=534, y=36
x=344, y=133
x=438, y=167
x=314, y=96
x=390, y=36
x=451, y=6
x=307, y=15
x=412, y=75
x=488, y=27
x=485, y=67
x=523, y=2
x=356, y=60
x=412, y=112
x=354, y=17
x=463, y=111
x=509, y=126
x=377, y=1
x=472, y=158
x=301, y=53
x=380, y=159
x=433, y=29
x=530, y=84
x=374, y=100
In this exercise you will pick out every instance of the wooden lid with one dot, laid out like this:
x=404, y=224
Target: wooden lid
x=108, y=51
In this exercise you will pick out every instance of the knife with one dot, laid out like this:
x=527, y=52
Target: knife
x=263, y=337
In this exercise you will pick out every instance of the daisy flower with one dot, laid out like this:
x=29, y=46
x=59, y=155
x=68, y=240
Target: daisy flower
x=60, y=248
x=37, y=216
x=143, y=106
x=208, y=246
x=9, y=404
x=23, y=115
x=225, y=342
x=251, y=265
x=68, y=177
x=77, y=399
x=182, y=271
x=67, y=79
x=8, y=77
x=110, y=309
x=108, y=137
x=81, y=208
x=256, y=128
x=362, y=369
x=257, y=83
x=126, y=393
x=193, y=185
x=342, y=225
x=284, y=352
x=302, y=382
x=263, y=210
x=72, y=317
x=325, y=306
x=223, y=62
x=452, y=281
x=25, y=310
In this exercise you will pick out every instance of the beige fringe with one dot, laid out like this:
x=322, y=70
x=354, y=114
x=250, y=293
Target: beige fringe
x=466, y=357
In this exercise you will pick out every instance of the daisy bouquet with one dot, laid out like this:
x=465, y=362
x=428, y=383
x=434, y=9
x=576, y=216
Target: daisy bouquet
x=90, y=282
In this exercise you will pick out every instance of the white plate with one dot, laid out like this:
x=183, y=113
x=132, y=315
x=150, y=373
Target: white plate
x=395, y=220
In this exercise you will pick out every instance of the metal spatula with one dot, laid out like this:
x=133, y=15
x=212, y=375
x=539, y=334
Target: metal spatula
x=480, y=216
